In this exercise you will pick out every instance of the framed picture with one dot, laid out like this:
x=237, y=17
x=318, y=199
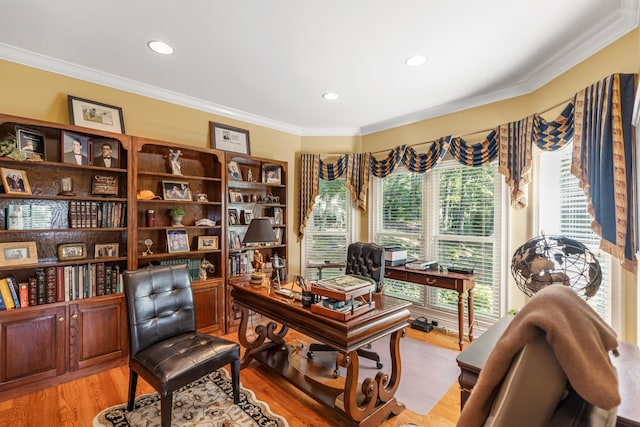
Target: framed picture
x=207, y=243
x=104, y=184
x=247, y=216
x=234, y=171
x=271, y=174
x=15, y=181
x=30, y=142
x=105, y=153
x=234, y=240
x=71, y=251
x=95, y=115
x=17, y=253
x=229, y=138
x=176, y=190
x=233, y=217
x=235, y=197
x=106, y=250
x=177, y=241
x=75, y=148
x=277, y=216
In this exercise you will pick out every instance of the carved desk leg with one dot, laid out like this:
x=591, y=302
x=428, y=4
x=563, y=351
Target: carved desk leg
x=379, y=400
x=260, y=343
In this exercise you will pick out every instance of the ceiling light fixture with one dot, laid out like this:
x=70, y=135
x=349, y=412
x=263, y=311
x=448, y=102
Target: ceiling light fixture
x=160, y=47
x=330, y=96
x=416, y=61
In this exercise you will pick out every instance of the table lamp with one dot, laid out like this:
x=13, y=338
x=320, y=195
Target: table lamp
x=259, y=231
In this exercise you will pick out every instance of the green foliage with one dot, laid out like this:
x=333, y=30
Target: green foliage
x=176, y=212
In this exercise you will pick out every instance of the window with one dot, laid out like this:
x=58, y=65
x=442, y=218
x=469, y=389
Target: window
x=329, y=228
x=562, y=210
x=452, y=214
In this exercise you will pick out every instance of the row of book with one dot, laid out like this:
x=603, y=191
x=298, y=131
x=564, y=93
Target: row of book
x=58, y=284
x=27, y=217
x=93, y=214
x=193, y=265
x=239, y=264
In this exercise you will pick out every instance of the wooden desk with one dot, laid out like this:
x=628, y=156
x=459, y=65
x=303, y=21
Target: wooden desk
x=460, y=283
x=390, y=317
x=471, y=361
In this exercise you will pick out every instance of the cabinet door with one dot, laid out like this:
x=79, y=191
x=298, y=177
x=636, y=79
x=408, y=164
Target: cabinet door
x=97, y=332
x=33, y=345
x=208, y=296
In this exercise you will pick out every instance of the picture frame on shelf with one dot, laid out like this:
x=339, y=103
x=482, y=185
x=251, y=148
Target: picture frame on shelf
x=15, y=181
x=271, y=173
x=72, y=251
x=234, y=219
x=235, y=197
x=105, y=153
x=18, y=253
x=95, y=115
x=106, y=250
x=206, y=243
x=30, y=142
x=229, y=138
x=277, y=216
x=177, y=241
x=247, y=216
x=176, y=190
x=234, y=171
x=234, y=240
x=104, y=185
x=76, y=148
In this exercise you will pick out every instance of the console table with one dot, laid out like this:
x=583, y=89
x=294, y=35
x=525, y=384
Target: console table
x=460, y=283
x=627, y=366
x=389, y=318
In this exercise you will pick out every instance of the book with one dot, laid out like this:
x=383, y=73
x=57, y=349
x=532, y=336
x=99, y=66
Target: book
x=24, y=294
x=13, y=288
x=50, y=285
x=41, y=287
x=33, y=290
x=344, y=283
x=6, y=294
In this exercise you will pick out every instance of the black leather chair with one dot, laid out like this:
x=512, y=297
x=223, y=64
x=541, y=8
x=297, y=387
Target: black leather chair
x=165, y=348
x=364, y=260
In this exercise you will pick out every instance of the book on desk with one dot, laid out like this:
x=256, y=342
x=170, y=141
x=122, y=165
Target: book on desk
x=343, y=296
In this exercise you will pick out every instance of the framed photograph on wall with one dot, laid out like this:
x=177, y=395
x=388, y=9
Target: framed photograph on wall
x=95, y=115
x=207, y=243
x=30, y=142
x=177, y=241
x=15, y=181
x=76, y=148
x=229, y=138
x=18, y=253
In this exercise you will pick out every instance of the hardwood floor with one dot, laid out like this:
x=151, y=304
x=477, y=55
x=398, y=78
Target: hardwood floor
x=77, y=402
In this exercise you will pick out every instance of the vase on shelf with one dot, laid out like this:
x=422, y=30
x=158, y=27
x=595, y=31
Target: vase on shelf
x=176, y=220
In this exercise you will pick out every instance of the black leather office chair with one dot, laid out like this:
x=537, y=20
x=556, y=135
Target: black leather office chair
x=364, y=260
x=165, y=348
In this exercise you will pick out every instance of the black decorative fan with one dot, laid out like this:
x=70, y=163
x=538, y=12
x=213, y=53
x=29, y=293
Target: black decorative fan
x=549, y=260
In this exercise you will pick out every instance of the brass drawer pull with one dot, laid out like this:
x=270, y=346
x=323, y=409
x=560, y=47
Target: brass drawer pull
x=431, y=281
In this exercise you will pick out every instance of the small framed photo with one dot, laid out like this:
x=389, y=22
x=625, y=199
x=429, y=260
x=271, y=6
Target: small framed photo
x=234, y=240
x=176, y=190
x=177, y=241
x=71, y=251
x=235, y=197
x=95, y=115
x=233, y=217
x=15, y=181
x=207, y=243
x=229, y=138
x=30, y=142
x=234, y=171
x=104, y=184
x=247, y=216
x=277, y=216
x=106, y=250
x=76, y=148
x=271, y=174
x=18, y=253
x=105, y=153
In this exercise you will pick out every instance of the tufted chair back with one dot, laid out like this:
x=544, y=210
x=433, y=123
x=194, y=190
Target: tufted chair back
x=366, y=259
x=160, y=303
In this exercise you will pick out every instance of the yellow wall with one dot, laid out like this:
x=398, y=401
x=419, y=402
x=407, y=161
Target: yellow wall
x=42, y=95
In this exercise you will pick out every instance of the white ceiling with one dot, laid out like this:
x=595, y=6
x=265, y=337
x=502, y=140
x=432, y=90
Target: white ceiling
x=268, y=62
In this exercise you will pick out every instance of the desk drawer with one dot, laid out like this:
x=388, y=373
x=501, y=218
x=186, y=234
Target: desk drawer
x=429, y=280
x=395, y=274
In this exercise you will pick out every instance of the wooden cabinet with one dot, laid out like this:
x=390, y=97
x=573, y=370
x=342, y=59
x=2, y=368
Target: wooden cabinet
x=196, y=188
x=63, y=235
x=256, y=188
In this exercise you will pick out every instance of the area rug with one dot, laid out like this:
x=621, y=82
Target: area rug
x=428, y=371
x=205, y=402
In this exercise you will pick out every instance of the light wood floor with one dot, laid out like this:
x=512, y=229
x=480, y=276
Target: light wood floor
x=77, y=402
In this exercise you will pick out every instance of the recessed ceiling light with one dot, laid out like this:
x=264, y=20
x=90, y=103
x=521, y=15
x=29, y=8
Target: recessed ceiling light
x=416, y=61
x=160, y=47
x=330, y=96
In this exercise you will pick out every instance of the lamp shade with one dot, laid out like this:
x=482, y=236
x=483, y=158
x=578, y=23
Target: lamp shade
x=259, y=231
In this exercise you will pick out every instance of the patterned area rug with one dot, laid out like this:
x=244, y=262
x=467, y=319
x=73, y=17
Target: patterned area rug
x=205, y=402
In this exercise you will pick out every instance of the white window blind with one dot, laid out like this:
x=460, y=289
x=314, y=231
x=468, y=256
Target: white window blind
x=563, y=211
x=329, y=228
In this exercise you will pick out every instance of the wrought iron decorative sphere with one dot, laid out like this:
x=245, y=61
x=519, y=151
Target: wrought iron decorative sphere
x=552, y=260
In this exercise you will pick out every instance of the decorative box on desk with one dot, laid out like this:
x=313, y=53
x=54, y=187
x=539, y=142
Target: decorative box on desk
x=350, y=295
